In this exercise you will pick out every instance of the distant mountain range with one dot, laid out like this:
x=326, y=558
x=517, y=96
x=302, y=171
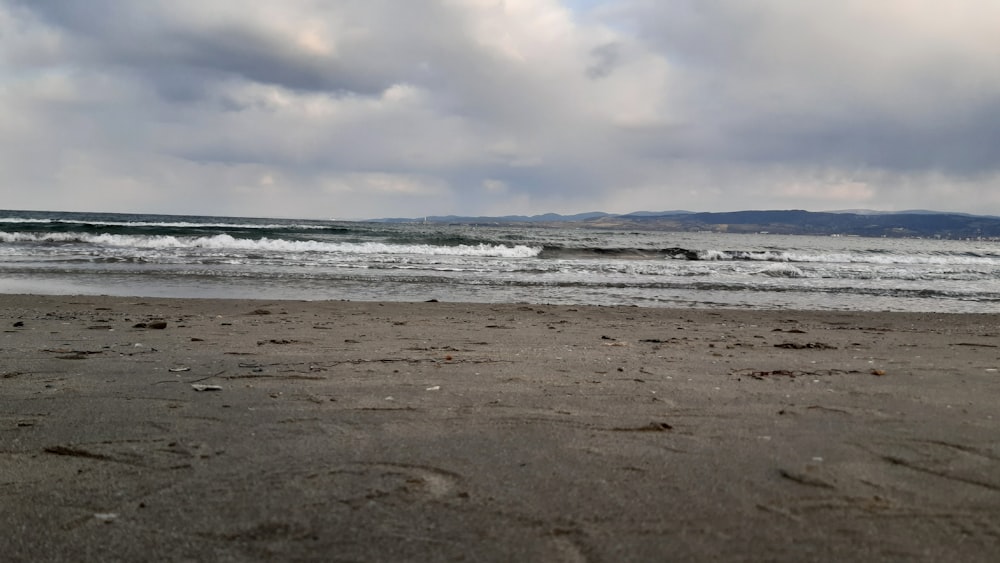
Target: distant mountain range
x=855, y=222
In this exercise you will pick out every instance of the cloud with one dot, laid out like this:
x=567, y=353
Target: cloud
x=481, y=106
x=895, y=85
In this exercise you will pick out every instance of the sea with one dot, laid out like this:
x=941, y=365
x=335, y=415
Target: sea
x=59, y=253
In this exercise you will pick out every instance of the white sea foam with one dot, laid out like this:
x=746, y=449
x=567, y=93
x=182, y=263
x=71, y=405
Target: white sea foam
x=22, y=220
x=783, y=271
x=166, y=224
x=849, y=258
x=225, y=242
x=714, y=255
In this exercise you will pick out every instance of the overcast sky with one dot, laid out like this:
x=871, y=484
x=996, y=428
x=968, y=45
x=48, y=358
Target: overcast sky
x=375, y=108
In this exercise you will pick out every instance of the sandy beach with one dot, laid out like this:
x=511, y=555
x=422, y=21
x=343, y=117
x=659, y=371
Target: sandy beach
x=228, y=430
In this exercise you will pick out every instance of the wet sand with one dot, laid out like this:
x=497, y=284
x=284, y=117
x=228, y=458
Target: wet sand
x=214, y=430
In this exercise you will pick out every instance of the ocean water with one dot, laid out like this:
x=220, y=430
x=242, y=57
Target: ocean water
x=189, y=256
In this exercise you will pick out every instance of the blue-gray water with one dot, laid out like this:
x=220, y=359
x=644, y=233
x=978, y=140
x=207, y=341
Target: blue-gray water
x=184, y=256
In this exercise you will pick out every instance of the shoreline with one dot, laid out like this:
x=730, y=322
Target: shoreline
x=16, y=292
x=439, y=431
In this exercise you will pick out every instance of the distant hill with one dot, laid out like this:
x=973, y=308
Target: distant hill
x=944, y=225
x=907, y=212
x=796, y=222
x=656, y=213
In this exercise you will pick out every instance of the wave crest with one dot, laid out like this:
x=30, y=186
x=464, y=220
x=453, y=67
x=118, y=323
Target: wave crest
x=228, y=242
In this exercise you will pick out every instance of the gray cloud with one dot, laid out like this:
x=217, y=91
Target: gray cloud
x=799, y=83
x=432, y=106
x=605, y=58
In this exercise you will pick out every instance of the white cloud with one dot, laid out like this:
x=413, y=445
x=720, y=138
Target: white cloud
x=479, y=106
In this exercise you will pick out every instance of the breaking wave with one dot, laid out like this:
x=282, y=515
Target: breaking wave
x=228, y=242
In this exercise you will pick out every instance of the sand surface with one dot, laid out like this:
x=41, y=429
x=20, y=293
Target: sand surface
x=213, y=430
